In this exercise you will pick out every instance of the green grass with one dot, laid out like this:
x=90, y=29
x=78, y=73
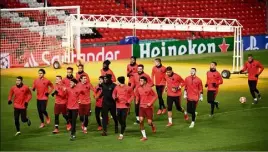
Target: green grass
x=235, y=126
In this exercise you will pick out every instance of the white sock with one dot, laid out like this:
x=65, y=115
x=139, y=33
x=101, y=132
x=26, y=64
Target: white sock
x=56, y=125
x=255, y=99
x=85, y=128
x=192, y=122
x=121, y=135
x=185, y=112
x=138, y=118
x=170, y=120
x=143, y=133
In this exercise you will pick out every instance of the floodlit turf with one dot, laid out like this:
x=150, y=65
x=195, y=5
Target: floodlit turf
x=235, y=126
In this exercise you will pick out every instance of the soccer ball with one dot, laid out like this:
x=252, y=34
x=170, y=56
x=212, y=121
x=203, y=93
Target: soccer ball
x=243, y=99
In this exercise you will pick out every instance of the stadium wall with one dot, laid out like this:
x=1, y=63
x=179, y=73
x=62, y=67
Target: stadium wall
x=146, y=50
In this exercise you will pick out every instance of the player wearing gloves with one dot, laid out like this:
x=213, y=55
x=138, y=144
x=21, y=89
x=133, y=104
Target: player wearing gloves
x=214, y=79
x=99, y=99
x=22, y=96
x=60, y=104
x=146, y=97
x=174, y=85
x=108, y=103
x=84, y=101
x=43, y=87
x=193, y=93
x=254, y=69
x=123, y=95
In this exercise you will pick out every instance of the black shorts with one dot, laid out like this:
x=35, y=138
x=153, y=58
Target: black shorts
x=176, y=100
x=20, y=112
x=211, y=96
x=191, y=106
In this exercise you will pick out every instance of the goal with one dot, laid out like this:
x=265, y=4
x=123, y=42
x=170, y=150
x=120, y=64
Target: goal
x=165, y=23
x=32, y=37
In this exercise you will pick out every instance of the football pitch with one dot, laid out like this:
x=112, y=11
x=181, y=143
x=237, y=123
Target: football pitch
x=235, y=126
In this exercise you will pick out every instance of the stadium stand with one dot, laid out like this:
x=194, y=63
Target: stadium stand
x=250, y=13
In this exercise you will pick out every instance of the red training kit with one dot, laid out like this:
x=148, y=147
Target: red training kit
x=66, y=82
x=213, y=77
x=84, y=96
x=77, y=76
x=97, y=96
x=61, y=96
x=158, y=75
x=253, y=68
x=42, y=87
x=131, y=69
x=124, y=94
x=145, y=95
x=136, y=81
x=109, y=71
x=21, y=95
x=73, y=97
x=194, y=87
x=174, y=82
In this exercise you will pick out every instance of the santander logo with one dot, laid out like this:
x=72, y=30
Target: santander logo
x=91, y=54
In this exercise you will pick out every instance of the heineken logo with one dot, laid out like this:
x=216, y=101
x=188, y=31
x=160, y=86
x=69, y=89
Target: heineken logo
x=186, y=47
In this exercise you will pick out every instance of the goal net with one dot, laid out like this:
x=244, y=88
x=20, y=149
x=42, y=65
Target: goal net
x=32, y=37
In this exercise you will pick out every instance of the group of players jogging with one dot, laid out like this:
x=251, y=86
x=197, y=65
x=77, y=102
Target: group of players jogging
x=72, y=95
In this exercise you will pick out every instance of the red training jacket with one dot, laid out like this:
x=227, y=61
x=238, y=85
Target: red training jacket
x=97, y=96
x=21, y=95
x=73, y=97
x=77, y=76
x=103, y=73
x=131, y=70
x=253, y=68
x=136, y=80
x=158, y=75
x=213, y=77
x=124, y=94
x=61, y=97
x=84, y=97
x=66, y=82
x=174, y=81
x=42, y=87
x=194, y=87
x=145, y=95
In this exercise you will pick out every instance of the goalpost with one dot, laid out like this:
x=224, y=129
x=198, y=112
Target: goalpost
x=164, y=23
x=32, y=37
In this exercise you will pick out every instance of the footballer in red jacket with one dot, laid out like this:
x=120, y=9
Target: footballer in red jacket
x=60, y=103
x=43, y=87
x=22, y=96
x=72, y=94
x=106, y=70
x=66, y=81
x=254, y=69
x=99, y=98
x=84, y=101
x=193, y=92
x=158, y=76
x=214, y=80
x=174, y=85
x=146, y=97
x=81, y=72
x=132, y=68
x=136, y=83
x=123, y=95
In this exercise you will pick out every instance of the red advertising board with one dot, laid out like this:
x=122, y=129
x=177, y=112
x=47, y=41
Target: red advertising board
x=106, y=53
x=44, y=58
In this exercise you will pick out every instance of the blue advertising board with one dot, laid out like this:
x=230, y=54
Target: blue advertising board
x=256, y=42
